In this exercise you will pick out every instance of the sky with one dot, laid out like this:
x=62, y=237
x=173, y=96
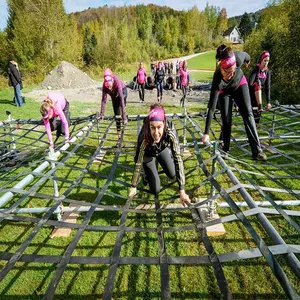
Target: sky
x=233, y=7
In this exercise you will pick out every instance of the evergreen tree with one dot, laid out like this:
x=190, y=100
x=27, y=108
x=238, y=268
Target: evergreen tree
x=245, y=26
x=89, y=47
x=277, y=32
x=144, y=22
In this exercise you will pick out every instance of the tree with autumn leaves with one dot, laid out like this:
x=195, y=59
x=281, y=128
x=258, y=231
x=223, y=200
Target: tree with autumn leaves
x=40, y=34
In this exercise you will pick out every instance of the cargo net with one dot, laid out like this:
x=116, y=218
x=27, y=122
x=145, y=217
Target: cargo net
x=150, y=247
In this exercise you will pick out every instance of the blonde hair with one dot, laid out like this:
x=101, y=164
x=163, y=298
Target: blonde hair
x=46, y=105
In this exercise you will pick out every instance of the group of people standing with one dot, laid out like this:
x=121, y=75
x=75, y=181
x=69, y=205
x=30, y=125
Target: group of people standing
x=160, y=71
x=182, y=80
x=158, y=141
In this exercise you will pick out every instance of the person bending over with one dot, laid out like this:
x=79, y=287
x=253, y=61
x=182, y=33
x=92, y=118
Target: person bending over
x=158, y=139
x=241, y=57
x=55, y=105
x=117, y=90
x=230, y=83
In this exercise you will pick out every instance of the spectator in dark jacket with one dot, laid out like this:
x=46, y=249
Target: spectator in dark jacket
x=15, y=80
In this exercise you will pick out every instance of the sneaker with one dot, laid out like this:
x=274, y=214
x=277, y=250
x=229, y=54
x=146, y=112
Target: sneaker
x=261, y=156
x=225, y=155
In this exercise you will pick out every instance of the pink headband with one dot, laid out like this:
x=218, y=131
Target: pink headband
x=228, y=61
x=157, y=114
x=107, y=80
x=264, y=54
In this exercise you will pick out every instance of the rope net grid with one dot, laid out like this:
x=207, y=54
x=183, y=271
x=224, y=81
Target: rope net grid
x=146, y=246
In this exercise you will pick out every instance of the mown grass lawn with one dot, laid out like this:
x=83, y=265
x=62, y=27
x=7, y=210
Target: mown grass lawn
x=205, y=61
x=248, y=279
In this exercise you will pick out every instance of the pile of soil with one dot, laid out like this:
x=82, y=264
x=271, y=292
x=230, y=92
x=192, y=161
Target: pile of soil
x=66, y=76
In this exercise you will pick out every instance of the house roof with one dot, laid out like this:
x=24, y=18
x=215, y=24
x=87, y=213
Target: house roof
x=229, y=30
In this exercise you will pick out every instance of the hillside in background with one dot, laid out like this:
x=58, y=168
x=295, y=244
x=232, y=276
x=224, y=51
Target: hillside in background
x=254, y=18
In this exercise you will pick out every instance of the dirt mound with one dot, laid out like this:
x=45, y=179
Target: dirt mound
x=66, y=76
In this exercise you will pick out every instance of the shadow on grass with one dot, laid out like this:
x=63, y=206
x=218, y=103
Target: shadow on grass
x=7, y=102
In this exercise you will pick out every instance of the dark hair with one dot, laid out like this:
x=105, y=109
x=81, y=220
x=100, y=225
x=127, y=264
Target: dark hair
x=223, y=52
x=220, y=50
x=147, y=134
x=157, y=105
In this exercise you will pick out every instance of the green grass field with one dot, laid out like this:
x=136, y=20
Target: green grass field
x=206, y=61
x=248, y=279
x=198, y=76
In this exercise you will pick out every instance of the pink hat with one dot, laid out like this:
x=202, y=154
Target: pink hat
x=108, y=72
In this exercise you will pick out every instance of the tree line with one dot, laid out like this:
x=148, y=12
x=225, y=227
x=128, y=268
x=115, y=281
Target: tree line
x=39, y=34
x=278, y=32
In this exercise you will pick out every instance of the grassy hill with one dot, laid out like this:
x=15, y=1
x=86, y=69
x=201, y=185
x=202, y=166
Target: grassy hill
x=206, y=61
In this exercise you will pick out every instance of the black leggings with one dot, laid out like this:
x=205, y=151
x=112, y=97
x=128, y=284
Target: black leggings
x=150, y=168
x=160, y=88
x=242, y=98
x=141, y=88
x=184, y=92
x=117, y=107
x=57, y=125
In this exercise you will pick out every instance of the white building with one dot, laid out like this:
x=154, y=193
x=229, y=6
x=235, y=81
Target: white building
x=233, y=35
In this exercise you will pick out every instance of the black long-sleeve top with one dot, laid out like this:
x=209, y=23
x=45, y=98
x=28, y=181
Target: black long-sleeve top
x=263, y=78
x=169, y=139
x=241, y=58
x=159, y=76
x=219, y=84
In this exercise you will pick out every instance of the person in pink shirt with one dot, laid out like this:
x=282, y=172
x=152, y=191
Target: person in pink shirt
x=141, y=81
x=55, y=105
x=116, y=89
x=184, y=79
x=260, y=79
